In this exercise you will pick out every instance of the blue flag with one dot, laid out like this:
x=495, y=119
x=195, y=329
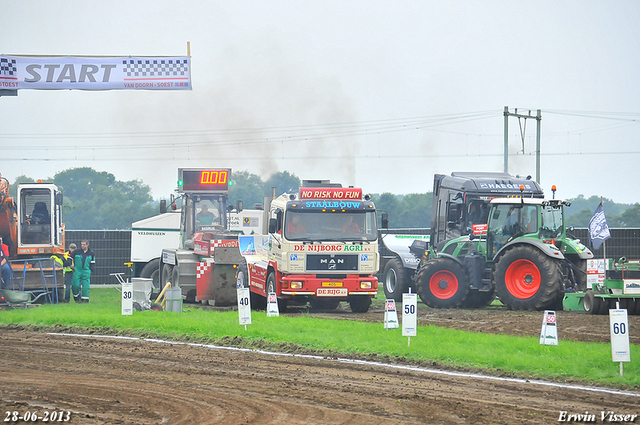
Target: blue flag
x=598, y=229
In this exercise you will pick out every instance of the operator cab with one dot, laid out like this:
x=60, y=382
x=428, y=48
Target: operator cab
x=510, y=219
x=204, y=213
x=39, y=215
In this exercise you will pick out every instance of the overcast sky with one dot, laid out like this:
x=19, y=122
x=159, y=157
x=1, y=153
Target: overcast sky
x=376, y=94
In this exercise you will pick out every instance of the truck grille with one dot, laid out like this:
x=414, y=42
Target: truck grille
x=324, y=262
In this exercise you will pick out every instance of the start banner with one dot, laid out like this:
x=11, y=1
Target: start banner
x=95, y=73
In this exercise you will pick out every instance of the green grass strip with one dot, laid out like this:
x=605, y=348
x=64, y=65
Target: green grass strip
x=578, y=362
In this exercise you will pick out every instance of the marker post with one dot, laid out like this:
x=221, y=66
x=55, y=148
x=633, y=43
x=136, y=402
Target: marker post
x=549, y=331
x=619, y=327
x=390, y=314
x=127, y=298
x=409, y=315
x=272, y=305
x=244, y=307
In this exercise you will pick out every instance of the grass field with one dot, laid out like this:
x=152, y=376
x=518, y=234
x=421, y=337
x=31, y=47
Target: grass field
x=587, y=363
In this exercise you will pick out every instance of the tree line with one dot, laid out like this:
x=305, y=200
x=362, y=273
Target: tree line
x=95, y=200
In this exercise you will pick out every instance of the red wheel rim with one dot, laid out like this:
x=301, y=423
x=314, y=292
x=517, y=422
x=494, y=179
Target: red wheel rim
x=443, y=284
x=522, y=279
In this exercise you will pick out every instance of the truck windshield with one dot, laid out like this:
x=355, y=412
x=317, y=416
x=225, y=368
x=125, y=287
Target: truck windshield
x=552, y=221
x=330, y=227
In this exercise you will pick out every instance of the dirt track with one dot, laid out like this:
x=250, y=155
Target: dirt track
x=107, y=381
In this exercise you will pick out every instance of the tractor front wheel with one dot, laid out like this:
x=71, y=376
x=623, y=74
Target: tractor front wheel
x=527, y=279
x=442, y=283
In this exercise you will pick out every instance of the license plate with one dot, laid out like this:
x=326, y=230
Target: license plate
x=332, y=292
x=331, y=284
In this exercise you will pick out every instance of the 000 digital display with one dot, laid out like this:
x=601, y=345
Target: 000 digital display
x=204, y=180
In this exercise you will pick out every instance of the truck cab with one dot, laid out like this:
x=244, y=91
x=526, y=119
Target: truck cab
x=322, y=249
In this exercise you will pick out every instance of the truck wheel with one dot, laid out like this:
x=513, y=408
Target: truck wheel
x=591, y=303
x=527, y=279
x=395, y=280
x=324, y=304
x=151, y=270
x=360, y=304
x=477, y=299
x=271, y=287
x=442, y=283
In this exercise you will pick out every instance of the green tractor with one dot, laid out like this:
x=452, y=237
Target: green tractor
x=522, y=254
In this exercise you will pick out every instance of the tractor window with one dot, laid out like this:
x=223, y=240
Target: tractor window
x=503, y=224
x=530, y=219
x=552, y=221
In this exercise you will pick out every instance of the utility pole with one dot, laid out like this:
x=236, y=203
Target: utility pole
x=538, y=118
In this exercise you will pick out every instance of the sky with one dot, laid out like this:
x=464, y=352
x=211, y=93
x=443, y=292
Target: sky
x=379, y=95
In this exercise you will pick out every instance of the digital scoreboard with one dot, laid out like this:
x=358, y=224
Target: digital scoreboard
x=204, y=179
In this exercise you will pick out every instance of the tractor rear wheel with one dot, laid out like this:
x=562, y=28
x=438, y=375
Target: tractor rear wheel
x=395, y=279
x=442, y=283
x=527, y=279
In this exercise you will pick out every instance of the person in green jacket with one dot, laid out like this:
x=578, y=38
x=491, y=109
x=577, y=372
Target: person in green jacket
x=84, y=261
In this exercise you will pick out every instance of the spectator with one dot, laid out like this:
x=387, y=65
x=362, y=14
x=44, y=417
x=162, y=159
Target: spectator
x=84, y=261
x=6, y=271
x=67, y=271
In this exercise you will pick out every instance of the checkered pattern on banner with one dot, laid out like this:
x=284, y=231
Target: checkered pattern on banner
x=155, y=67
x=8, y=67
x=201, y=268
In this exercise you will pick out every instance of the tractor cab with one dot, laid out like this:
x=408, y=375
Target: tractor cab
x=531, y=218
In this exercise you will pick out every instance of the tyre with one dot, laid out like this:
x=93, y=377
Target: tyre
x=477, y=299
x=443, y=283
x=271, y=287
x=242, y=277
x=627, y=304
x=591, y=303
x=156, y=307
x=604, y=306
x=151, y=270
x=258, y=302
x=324, y=303
x=360, y=304
x=395, y=279
x=527, y=279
